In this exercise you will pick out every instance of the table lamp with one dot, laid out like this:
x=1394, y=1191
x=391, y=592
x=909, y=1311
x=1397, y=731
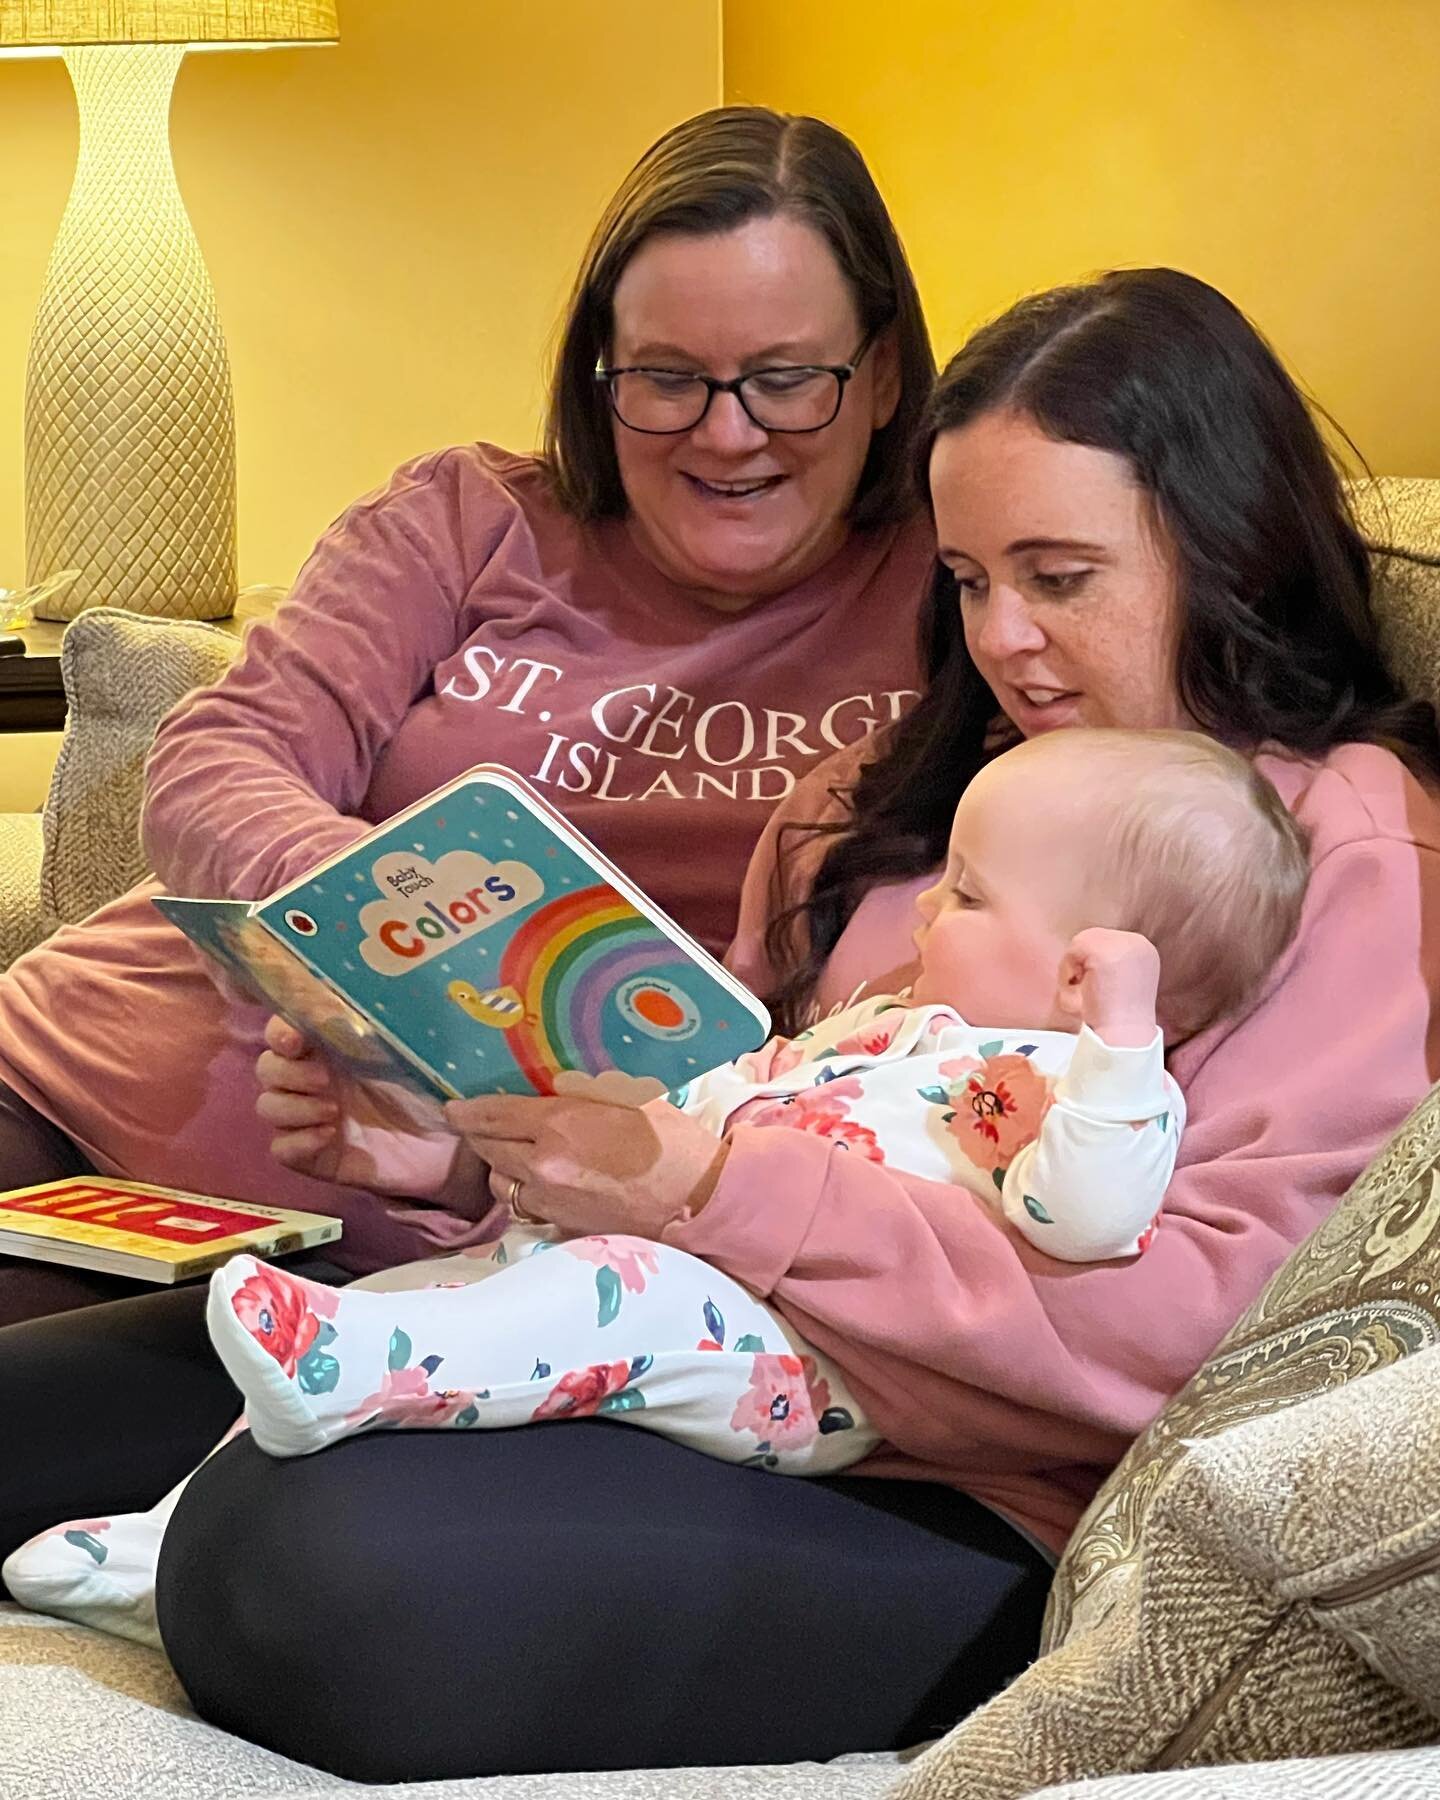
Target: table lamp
x=129, y=419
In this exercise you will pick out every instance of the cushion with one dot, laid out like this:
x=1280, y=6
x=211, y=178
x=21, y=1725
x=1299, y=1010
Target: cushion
x=1334, y=1507
x=1360, y=1293
x=82, y=1714
x=1401, y=519
x=1394, y=1775
x=122, y=672
x=20, y=921
x=1284, y=1605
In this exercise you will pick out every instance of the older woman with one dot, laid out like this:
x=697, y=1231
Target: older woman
x=705, y=586
x=1138, y=526
x=708, y=582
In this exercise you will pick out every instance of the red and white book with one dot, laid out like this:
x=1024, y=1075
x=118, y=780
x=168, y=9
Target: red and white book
x=148, y=1233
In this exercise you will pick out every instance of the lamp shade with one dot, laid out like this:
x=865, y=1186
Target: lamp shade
x=64, y=24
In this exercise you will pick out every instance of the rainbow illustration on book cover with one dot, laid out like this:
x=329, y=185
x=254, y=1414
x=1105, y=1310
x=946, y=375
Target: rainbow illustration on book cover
x=477, y=936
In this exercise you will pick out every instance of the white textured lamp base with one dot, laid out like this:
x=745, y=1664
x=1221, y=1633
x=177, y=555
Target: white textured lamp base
x=129, y=420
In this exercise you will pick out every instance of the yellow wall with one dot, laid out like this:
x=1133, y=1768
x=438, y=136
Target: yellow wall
x=1286, y=150
x=391, y=227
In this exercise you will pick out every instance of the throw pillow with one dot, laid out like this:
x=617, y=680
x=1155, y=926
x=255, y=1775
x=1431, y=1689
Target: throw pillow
x=1284, y=1606
x=122, y=672
x=1401, y=520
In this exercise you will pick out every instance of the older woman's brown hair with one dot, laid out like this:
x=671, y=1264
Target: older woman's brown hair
x=711, y=174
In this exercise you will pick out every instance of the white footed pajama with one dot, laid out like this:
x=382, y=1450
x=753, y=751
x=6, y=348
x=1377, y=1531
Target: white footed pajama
x=613, y=1326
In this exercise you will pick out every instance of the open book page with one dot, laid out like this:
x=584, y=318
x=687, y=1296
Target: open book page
x=227, y=931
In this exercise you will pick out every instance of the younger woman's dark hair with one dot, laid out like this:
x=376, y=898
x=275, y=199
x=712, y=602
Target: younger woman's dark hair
x=1277, y=641
x=714, y=173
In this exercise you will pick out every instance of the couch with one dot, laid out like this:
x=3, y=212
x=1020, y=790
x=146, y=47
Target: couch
x=1226, y=1689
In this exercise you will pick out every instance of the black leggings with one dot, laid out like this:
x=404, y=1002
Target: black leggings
x=105, y=1407
x=421, y=1605
x=412, y=1606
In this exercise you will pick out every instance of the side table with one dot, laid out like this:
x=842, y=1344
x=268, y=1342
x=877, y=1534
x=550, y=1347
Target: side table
x=32, y=695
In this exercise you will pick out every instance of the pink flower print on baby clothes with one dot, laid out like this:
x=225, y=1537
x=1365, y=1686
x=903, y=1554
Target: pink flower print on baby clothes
x=632, y=1258
x=823, y=1111
x=405, y=1398
x=998, y=1106
x=580, y=1392
x=875, y=1038
x=845, y=1134
x=784, y=1402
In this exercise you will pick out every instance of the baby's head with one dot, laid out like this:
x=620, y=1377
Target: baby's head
x=1162, y=832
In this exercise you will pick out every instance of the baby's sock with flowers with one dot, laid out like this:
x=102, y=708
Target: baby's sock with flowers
x=317, y=1364
x=99, y=1572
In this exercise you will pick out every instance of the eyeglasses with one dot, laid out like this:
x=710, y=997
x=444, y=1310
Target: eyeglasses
x=665, y=402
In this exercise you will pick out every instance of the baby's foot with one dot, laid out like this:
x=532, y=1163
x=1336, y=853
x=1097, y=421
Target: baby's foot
x=271, y=1330
x=98, y=1572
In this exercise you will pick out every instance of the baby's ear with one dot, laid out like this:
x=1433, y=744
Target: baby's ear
x=1069, y=978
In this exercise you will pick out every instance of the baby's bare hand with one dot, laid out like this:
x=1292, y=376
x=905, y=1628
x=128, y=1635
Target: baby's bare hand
x=1109, y=980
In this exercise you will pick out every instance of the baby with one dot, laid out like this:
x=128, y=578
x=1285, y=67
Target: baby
x=1106, y=893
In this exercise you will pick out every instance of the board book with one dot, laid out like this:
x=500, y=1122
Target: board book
x=476, y=943
x=145, y=1232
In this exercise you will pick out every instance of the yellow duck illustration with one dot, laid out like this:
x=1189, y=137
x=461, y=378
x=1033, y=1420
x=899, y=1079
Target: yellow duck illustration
x=501, y=1007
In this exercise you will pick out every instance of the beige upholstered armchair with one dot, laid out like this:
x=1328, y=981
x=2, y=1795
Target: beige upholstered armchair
x=122, y=672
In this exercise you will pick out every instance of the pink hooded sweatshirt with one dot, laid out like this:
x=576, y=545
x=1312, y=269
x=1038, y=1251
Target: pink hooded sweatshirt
x=1022, y=1380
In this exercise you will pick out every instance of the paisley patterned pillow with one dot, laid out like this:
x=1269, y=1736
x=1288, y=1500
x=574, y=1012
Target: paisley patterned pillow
x=1361, y=1292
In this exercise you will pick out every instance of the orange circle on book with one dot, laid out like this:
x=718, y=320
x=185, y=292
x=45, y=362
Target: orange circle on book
x=657, y=1008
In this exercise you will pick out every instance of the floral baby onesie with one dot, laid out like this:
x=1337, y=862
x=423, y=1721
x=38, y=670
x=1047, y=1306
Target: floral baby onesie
x=1073, y=1139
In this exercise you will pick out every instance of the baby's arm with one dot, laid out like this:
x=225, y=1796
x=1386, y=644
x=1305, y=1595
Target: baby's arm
x=1091, y=1184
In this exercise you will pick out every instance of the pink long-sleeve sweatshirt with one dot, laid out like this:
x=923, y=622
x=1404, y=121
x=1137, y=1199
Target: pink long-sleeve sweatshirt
x=1022, y=1380
x=457, y=616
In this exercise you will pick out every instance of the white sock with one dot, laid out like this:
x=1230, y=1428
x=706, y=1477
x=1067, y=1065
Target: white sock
x=273, y=1332
x=98, y=1572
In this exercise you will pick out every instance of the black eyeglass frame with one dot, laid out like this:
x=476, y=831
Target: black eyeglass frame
x=843, y=373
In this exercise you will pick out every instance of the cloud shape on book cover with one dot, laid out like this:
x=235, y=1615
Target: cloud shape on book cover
x=430, y=906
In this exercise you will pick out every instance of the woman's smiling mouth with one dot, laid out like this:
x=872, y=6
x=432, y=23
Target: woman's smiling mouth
x=733, y=490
